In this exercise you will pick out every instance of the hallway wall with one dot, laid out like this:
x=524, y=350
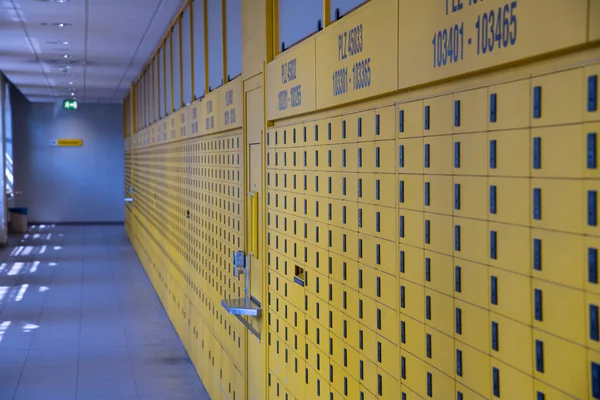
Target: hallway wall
x=69, y=184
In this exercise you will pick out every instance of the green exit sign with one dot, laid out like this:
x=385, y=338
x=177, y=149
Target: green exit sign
x=70, y=104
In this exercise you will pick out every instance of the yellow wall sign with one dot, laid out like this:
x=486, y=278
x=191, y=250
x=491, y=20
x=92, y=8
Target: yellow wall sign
x=358, y=55
x=68, y=143
x=291, y=82
x=230, y=104
x=444, y=38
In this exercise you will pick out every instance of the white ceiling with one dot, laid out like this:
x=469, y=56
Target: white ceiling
x=110, y=42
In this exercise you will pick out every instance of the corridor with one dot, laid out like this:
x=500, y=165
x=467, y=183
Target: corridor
x=79, y=319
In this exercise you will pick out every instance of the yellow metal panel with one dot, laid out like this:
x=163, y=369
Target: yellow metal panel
x=441, y=383
x=291, y=82
x=590, y=132
x=467, y=393
x=592, y=71
x=378, y=253
x=561, y=96
x=438, y=112
x=369, y=378
x=413, y=224
x=594, y=16
x=411, y=192
x=414, y=304
x=412, y=263
x=374, y=189
x=514, y=343
x=415, y=377
x=414, y=334
x=513, y=251
x=550, y=392
x=334, y=130
x=515, y=33
x=473, y=283
x=556, y=250
x=563, y=311
x=512, y=295
x=385, y=128
x=441, y=157
x=376, y=221
x=563, y=364
x=562, y=205
x=591, y=246
x=470, y=111
x=390, y=386
x=592, y=302
x=592, y=188
x=441, y=352
x=354, y=65
x=513, y=154
x=475, y=370
x=440, y=190
x=473, y=328
x=410, y=119
x=513, y=384
x=509, y=200
x=471, y=239
x=410, y=154
x=441, y=312
x=562, y=151
x=473, y=152
x=441, y=272
x=441, y=233
x=513, y=105
x=365, y=126
x=468, y=198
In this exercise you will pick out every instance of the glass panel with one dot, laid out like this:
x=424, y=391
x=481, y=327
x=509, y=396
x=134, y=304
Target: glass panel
x=176, y=67
x=234, y=37
x=215, y=44
x=169, y=80
x=137, y=106
x=9, y=141
x=162, y=69
x=148, y=97
x=297, y=20
x=199, y=72
x=156, y=90
x=344, y=7
x=186, y=56
x=143, y=100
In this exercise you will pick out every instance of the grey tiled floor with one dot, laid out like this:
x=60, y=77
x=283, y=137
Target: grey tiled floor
x=79, y=319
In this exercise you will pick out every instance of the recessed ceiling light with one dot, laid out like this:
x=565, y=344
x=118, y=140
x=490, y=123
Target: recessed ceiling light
x=52, y=1
x=72, y=94
x=65, y=42
x=70, y=83
x=66, y=56
x=61, y=24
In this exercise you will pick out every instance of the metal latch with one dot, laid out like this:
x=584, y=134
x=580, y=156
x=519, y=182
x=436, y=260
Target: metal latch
x=239, y=263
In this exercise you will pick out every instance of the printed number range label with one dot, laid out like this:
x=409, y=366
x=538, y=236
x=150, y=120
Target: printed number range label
x=493, y=30
x=229, y=115
x=292, y=97
x=358, y=75
x=210, y=119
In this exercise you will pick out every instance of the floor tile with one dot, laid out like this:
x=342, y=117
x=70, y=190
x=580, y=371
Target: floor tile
x=81, y=320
